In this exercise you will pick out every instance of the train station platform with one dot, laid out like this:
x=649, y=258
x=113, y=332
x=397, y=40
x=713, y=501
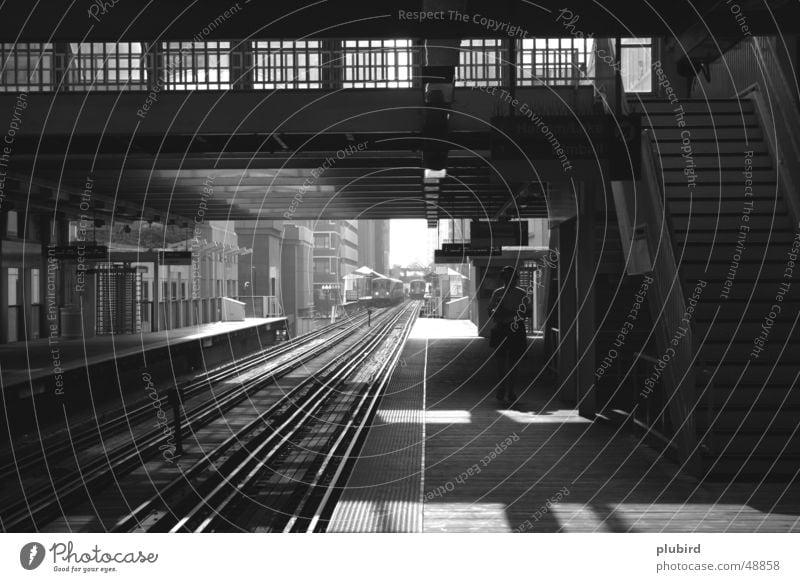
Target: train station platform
x=87, y=375
x=444, y=456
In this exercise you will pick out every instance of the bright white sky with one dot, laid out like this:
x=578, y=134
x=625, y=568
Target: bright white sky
x=410, y=241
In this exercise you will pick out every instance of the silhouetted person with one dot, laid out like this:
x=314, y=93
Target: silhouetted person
x=508, y=309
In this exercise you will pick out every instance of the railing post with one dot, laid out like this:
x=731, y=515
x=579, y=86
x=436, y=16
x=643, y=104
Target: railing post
x=62, y=60
x=783, y=143
x=175, y=402
x=332, y=64
x=509, y=46
x=618, y=110
x=242, y=62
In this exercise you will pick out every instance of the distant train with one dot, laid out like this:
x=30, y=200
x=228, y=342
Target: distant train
x=417, y=289
x=386, y=291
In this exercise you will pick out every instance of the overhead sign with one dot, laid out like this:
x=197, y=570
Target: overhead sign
x=81, y=252
x=175, y=257
x=490, y=234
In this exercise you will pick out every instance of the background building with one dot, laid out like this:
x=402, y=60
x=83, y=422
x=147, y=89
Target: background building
x=373, y=244
x=336, y=254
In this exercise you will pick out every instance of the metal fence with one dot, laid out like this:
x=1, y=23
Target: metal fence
x=111, y=66
x=481, y=62
x=289, y=64
x=554, y=61
x=295, y=64
x=26, y=67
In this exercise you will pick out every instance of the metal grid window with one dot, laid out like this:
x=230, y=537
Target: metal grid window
x=378, y=64
x=287, y=65
x=196, y=65
x=107, y=66
x=553, y=61
x=26, y=67
x=480, y=63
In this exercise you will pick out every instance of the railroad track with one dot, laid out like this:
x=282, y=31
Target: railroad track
x=70, y=476
x=282, y=469
x=55, y=447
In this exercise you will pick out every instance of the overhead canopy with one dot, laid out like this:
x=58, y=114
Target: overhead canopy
x=366, y=271
x=451, y=272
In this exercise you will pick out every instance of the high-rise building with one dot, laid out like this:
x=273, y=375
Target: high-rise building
x=260, y=272
x=335, y=255
x=373, y=244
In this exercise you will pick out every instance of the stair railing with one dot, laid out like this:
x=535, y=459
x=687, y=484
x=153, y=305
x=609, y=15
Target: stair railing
x=646, y=208
x=776, y=107
x=672, y=328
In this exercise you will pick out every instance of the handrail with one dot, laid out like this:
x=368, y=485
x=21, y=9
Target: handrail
x=645, y=357
x=780, y=121
x=667, y=306
x=666, y=303
x=707, y=397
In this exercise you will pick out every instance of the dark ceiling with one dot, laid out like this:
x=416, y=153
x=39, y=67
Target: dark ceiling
x=66, y=20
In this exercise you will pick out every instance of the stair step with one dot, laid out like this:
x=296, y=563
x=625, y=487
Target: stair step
x=758, y=224
x=746, y=271
x=759, y=468
x=758, y=373
x=715, y=147
x=724, y=206
x=746, y=329
x=693, y=106
x=743, y=444
x=738, y=134
x=736, y=352
x=725, y=162
x=739, y=305
x=761, y=192
x=660, y=122
x=700, y=238
x=715, y=176
x=701, y=148
x=761, y=396
x=723, y=252
x=741, y=420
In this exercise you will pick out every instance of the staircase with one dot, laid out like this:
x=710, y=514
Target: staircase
x=748, y=409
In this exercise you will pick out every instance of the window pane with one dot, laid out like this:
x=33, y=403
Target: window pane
x=12, y=224
x=35, y=297
x=636, y=63
x=11, y=288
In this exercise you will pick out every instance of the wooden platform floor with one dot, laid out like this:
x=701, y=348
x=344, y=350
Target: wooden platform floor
x=537, y=468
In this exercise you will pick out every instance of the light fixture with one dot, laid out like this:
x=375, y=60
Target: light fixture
x=435, y=174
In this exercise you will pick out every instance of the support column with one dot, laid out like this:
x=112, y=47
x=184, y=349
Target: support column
x=567, y=302
x=296, y=293
x=585, y=295
x=156, y=313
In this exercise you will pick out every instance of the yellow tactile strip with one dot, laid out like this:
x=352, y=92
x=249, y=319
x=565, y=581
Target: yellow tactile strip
x=384, y=491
